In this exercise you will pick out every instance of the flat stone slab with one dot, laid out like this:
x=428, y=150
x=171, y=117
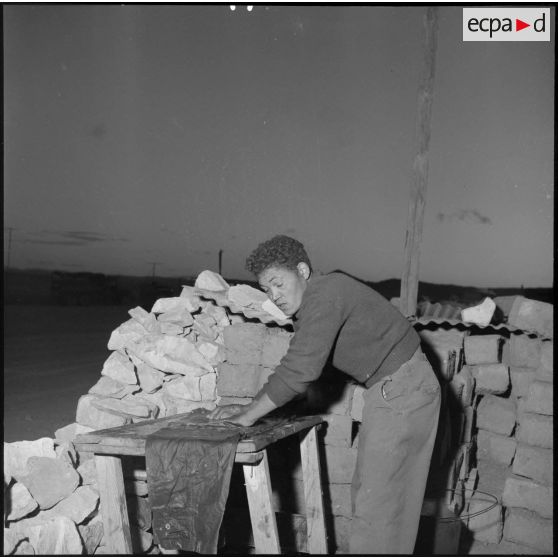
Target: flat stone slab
x=120, y=368
x=57, y=536
x=21, y=503
x=175, y=355
x=107, y=386
x=91, y=534
x=16, y=455
x=70, y=431
x=49, y=480
x=78, y=506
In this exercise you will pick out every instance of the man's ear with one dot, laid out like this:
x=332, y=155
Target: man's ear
x=303, y=270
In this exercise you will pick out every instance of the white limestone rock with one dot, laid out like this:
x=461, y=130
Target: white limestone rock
x=12, y=538
x=201, y=388
x=88, y=473
x=236, y=319
x=177, y=312
x=211, y=281
x=208, y=385
x=124, y=407
x=21, y=503
x=491, y=378
x=16, y=455
x=150, y=379
x=218, y=313
x=532, y=315
x=212, y=352
x=128, y=332
x=275, y=347
x=109, y=387
x=70, y=431
x=92, y=534
x=176, y=305
x=66, y=452
x=480, y=314
x=49, y=480
x=24, y=548
x=169, y=328
x=170, y=354
x=95, y=417
x=78, y=506
x=58, y=536
x=146, y=319
x=206, y=327
x=192, y=297
x=156, y=400
x=119, y=367
x=247, y=296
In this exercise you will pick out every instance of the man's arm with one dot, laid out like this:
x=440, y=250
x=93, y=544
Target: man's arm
x=247, y=415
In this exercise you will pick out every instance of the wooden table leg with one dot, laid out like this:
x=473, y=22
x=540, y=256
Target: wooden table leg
x=114, y=510
x=311, y=474
x=262, y=516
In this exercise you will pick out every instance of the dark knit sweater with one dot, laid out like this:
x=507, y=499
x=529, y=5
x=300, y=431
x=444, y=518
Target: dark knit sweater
x=367, y=336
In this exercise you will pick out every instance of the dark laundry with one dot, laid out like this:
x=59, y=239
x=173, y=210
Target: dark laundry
x=188, y=480
x=188, y=473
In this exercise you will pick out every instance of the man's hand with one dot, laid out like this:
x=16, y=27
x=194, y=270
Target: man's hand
x=243, y=419
x=220, y=413
x=245, y=415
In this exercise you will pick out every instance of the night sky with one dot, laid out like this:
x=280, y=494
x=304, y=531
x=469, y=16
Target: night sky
x=142, y=134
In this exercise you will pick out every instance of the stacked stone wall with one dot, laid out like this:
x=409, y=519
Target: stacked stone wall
x=504, y=391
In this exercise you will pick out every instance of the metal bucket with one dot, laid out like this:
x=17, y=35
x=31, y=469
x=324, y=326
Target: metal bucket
x=440, y=527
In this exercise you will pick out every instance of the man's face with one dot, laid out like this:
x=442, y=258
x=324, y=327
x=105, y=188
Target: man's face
x=285, y=287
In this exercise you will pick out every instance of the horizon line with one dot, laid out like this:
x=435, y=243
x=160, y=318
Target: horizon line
x=189, y=277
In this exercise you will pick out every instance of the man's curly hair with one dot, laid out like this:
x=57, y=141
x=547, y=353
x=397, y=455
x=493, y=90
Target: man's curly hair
x=279, y=251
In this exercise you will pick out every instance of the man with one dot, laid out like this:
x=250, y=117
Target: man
x=370, y=340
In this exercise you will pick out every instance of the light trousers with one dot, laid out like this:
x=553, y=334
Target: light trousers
x=396, y=439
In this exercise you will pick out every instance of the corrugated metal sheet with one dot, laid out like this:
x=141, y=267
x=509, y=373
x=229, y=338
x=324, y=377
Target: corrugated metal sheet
x=439, y=310
x=427, y=320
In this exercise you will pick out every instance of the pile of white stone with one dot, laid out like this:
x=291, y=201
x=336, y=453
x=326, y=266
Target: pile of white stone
x=163, y=362
x=50, y=499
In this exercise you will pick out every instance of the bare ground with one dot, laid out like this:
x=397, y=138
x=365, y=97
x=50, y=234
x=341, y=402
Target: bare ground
x=52, y=356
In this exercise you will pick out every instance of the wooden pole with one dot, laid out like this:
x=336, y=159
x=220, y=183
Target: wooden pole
x=10, y=229
x=413, y=237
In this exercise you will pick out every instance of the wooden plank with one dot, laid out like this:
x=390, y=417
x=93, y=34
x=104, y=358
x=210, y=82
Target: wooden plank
x=101, y=449
x=262, y=516
x=114, y=511
x=251, y=458
x=413, y=238
x=130, y=439
x=263, y=439
x=311, y=474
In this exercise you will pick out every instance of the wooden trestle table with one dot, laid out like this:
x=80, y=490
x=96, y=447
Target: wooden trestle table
x=109, y=445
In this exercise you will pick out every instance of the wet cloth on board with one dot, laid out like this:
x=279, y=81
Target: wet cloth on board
x=188, y=474
x=189, y=465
